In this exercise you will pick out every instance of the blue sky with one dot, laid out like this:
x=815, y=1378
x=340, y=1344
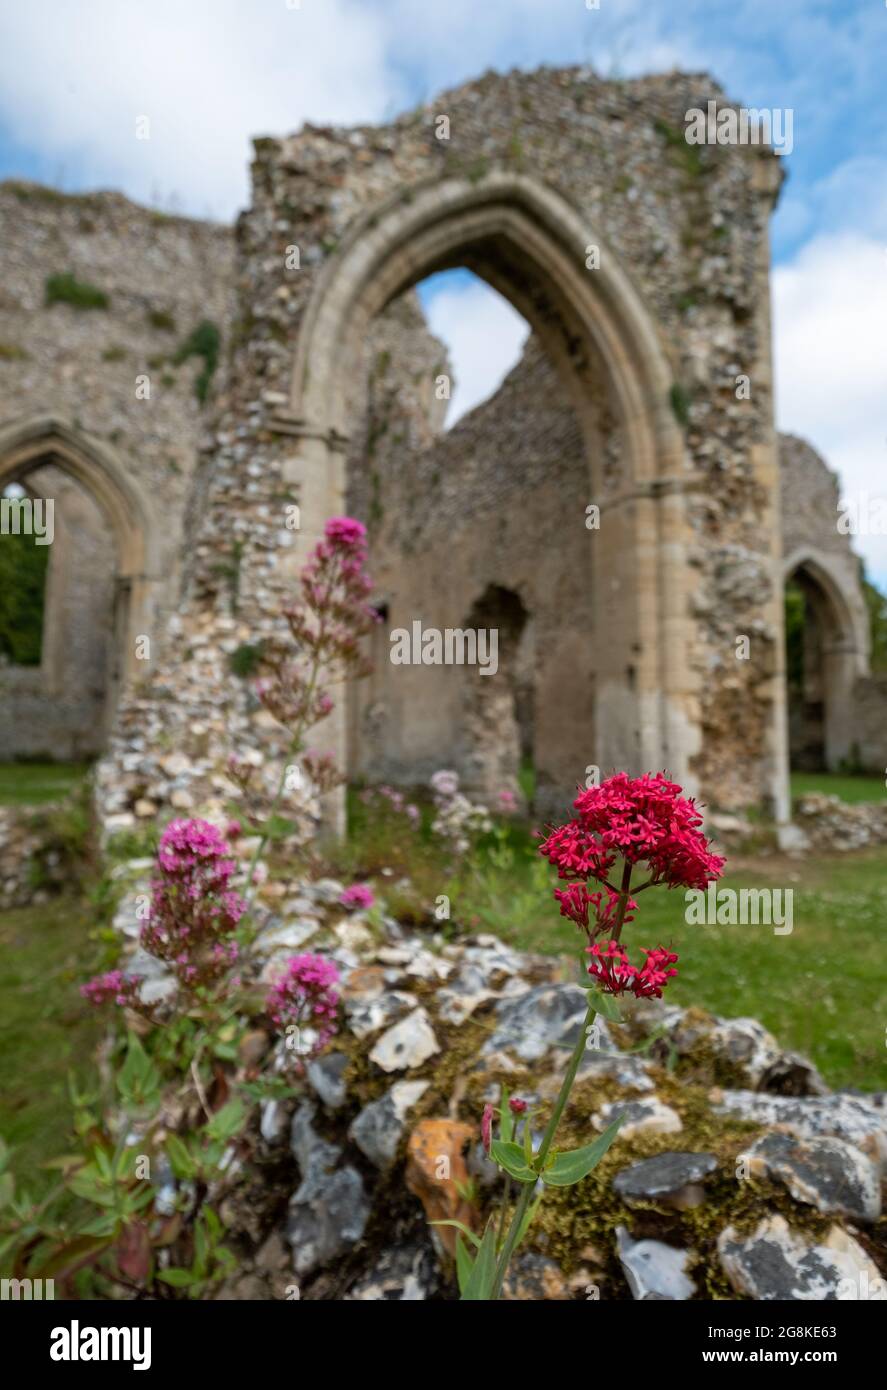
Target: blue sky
x=75, y=74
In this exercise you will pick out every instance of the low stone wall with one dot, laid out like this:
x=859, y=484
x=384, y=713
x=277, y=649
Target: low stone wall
x=737, y=1173
x=31, y=867
x=827, y=822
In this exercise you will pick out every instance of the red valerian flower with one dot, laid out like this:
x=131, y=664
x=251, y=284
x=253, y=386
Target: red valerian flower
x=517, y=1106
x=640, y=819
x=614, y=974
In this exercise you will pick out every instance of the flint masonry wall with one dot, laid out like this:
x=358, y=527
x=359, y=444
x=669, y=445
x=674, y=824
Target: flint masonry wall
x=840, y=706
x=466, y=518
x=68, y=396
x=537, y=166
x=453, y=515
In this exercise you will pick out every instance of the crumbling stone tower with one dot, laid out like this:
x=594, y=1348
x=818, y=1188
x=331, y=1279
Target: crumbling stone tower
x=641, y=264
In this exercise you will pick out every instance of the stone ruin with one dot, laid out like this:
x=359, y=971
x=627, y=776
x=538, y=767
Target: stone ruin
x=618, y=642
x=641, y=265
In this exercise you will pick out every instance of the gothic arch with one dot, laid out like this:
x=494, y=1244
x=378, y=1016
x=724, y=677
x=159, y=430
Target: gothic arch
x=27, y=443
x=843, y=647
x=531, y=244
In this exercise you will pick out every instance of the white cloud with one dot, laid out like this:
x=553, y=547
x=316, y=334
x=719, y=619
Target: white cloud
x=208, y=74
x=829, y=315
x=483, y=334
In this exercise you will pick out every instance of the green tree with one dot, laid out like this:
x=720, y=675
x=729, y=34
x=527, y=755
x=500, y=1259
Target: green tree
x=22, y=588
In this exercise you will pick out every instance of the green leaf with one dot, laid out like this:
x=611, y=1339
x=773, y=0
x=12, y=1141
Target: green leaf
x=460, y=1226
x=179, y=1278
x=571, y=1167
x=511, y=1158
x=183, y=1164
x=483, y=1271
x=506, y=1119
x=604, y=1004
x=227, y=1122
x=138, y=1080
x=464, y=1262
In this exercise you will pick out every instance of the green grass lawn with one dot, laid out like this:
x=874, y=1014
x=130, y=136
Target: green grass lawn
x=46, y=1029
x=32, y=784
x=821, y=990
x=848, y=788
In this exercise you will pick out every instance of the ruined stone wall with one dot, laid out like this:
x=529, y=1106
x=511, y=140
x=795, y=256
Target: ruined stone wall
x=59, y=709
x=105, y=369
x=833, y=714
x=455, y=523
x=689, y=229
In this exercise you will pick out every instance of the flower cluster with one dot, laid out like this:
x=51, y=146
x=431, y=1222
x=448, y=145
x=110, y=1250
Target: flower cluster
x=641, y=820
x=327, y=625
x=113, y=987
x=390, y=799
x=304, y=1001
x=457, y=820
x=194, y=912
x=636, y=820
x=615, y=975
x=359, y=895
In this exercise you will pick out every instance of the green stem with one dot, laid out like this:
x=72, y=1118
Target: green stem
x=526, y=1196
x=528, y=1188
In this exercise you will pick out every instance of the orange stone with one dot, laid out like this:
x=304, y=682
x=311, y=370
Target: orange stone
x=435, y=1164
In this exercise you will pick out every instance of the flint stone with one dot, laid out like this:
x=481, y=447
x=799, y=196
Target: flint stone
x=325, y=890
x=535, y=1022
x=325, y=1076
x=647, y=1116
x=828, y=1173
x=748, y=1044
x=328, y=1212
x=672, y=1178
x=653, y=1269
x=777, y=1263
x=367, y=1016
x=283, y=936
x=857, y=1119
x=408, y=1044
x=378, y=1128
x=402, y=1274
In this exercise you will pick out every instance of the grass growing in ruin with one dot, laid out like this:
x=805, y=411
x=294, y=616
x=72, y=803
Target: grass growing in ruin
x=849, y=787
x=34, y=783
x=46, y=1029
x=820, y=990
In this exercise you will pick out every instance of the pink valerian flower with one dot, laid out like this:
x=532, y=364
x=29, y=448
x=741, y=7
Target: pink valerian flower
x=486, y=1128
x=517, y=1106
x=194, y=912
x=113, y=987
x=507, y=800
x=614, y=973
x=359, y=895
x=328, y=627
x=305, y=997
x=344, y=531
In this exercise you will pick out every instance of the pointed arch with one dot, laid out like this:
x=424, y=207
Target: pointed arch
x=531, y=245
